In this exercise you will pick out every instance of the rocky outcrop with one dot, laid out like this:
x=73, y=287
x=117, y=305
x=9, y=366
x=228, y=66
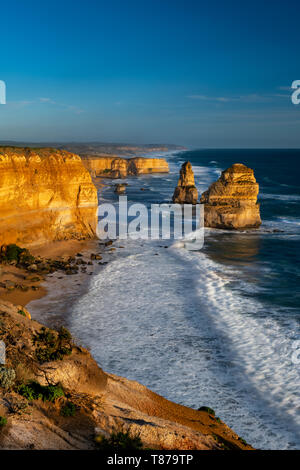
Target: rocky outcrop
x=45, y=194
x=140, y=166
x=103, y=402
x=116, y=167
x=186, y=191
x=231, y=202
x=120, y=188
x=119, y=168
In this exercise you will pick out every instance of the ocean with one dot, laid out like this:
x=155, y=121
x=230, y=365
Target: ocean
x=215, y=327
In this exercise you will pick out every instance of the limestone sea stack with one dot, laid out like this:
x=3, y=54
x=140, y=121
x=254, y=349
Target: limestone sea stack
x=186, y=191
x=231, y=201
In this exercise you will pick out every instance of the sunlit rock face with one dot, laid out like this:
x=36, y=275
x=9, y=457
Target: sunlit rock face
x=116, y=167
x=139, y=166
x=231, y=201
x=45, y=195
x=119, y=168
x=186, y=191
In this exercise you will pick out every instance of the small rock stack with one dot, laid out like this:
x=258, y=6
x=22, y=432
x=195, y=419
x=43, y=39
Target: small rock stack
x=186, y=191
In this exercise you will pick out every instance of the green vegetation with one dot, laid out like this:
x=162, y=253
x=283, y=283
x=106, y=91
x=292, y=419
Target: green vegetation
x=119, y=440
x=3, y=422
x=243, y=441
x=34, y=391
x=15, y=253
x=64, y=334
x=52, y=346
x=69, y=409
x=7, y=377
x=21, y=312
x=12, y=252
x=208, y=410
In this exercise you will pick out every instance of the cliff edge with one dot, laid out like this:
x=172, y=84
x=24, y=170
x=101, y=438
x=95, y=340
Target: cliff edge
x=45, y=195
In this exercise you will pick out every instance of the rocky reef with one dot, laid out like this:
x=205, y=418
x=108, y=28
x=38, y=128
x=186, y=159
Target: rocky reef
x=186, y=191
x=45, y=195
x=116, y=167
x=231, y=201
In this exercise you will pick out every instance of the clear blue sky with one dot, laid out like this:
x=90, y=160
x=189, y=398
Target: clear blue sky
x=199, y=73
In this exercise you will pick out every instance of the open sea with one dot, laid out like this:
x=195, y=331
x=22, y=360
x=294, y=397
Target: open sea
x=216, y=327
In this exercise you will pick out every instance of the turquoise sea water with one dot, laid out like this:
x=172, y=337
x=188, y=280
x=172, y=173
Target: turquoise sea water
x=215, y=327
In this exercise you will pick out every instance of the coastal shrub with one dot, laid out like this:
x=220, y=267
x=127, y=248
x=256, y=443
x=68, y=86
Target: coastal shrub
x=243, y=441
x=207, y=409
x=119, y=440
x=18, y=407
x=52, y=346
x=221, y=442
x=64, y=334
x=7, y=377
x=13, y=252
x=26, y=258
x=44, y=336
x=3, y=422
x=69, y=409
x=34, y=391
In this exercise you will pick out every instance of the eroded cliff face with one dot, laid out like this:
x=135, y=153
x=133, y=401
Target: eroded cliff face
x=45, y=195
x=231, y=201
x=116, y=167
x=186, y=191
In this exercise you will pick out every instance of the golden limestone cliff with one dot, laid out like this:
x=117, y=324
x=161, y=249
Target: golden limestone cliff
x=186, y=191
x=45, y=195
x=116, y=167
x=139, y=166
x=231, y=201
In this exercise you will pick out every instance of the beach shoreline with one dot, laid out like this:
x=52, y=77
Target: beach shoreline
x=37, y=289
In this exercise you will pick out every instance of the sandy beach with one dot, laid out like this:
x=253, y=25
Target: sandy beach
x=58, y=250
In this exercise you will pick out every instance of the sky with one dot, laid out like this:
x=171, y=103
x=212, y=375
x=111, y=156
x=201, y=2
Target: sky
x=203, y=74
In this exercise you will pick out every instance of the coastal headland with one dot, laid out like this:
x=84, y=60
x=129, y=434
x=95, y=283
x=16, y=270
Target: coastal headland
x=53, y=395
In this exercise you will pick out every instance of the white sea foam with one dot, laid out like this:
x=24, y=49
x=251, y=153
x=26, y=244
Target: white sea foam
x=168, y=319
